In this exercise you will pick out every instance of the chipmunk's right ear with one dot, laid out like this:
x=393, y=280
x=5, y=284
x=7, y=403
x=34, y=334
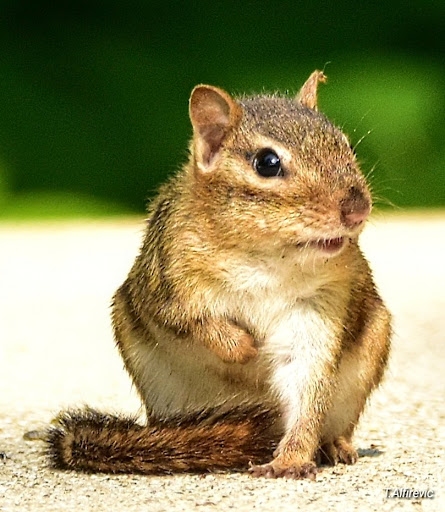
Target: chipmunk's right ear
x=213, y=114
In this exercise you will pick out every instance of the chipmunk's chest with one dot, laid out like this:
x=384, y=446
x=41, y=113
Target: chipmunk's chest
x=268, y=296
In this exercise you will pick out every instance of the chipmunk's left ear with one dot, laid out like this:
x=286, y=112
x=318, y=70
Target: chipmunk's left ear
x=307, y=95
x=213, y=114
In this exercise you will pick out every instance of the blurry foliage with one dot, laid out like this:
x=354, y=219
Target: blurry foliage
x=93, y=104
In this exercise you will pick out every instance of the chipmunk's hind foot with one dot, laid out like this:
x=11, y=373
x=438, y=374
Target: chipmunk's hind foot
x=338, y=451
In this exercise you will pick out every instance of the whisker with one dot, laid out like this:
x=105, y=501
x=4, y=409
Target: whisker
x=362, y=138
x=361, y=120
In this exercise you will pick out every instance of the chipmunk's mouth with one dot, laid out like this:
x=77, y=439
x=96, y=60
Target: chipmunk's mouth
x=326, y=245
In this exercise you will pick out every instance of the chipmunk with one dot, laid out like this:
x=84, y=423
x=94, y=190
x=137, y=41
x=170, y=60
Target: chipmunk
x=249, y=323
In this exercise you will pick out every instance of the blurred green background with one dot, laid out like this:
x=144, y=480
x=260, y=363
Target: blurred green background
x=93, y=103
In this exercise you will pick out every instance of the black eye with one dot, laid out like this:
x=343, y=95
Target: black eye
x=267, y=163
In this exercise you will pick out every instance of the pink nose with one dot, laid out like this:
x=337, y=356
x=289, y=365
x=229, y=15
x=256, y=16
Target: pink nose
x=353, y=219
x=354, y=208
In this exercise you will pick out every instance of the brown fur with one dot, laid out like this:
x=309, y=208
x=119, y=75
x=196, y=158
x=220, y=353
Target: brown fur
x=90, y=441
x=233, y=299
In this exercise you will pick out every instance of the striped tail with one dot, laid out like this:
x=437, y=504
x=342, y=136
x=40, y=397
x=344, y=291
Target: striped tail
x=217, y=439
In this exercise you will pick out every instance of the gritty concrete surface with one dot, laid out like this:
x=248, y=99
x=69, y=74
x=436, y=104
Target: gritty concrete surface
x=56, y=350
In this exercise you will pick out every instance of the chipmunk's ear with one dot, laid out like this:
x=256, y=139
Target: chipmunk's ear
x=308, y=93
x=213, y=114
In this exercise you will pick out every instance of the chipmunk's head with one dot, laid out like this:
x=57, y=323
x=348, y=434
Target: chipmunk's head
x=271, y=171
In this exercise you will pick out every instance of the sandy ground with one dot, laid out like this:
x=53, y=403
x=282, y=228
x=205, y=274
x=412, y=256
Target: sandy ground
x=56, y=350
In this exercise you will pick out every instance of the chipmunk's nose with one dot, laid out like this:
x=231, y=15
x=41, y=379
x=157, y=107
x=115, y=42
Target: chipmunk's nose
x=354, y=208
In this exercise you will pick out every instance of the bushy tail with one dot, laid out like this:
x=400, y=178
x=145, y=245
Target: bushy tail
x=86, y=440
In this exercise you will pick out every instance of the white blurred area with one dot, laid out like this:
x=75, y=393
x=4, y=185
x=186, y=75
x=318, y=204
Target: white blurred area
x=56, y=342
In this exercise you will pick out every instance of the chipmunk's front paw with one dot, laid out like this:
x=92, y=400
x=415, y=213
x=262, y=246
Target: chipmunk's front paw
x=237, y=346
x=293, y=471
x=243, y=349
